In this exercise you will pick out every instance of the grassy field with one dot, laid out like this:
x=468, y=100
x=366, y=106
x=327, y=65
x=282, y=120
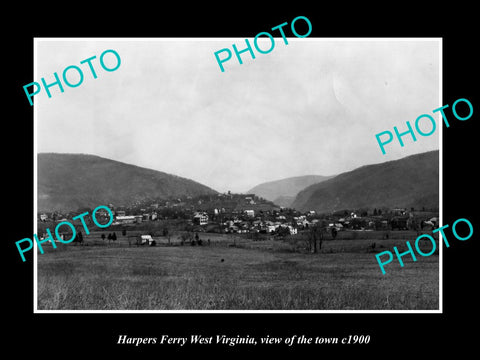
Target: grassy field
x=234, y=275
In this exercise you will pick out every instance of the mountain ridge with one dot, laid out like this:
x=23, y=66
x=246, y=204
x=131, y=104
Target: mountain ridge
x=283, y=191
x=69, y=181
x=412, y=181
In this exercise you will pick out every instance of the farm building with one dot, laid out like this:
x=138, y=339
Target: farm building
x=125, y=219
x=145, y=240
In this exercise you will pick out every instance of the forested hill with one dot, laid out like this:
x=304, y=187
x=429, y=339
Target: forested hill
x=72, y=181
x=412, y=181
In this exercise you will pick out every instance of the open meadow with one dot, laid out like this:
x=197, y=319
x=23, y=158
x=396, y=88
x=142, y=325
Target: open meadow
x=235, y=273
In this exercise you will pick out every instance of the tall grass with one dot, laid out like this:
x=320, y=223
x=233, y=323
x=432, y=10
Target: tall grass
x=165, y=278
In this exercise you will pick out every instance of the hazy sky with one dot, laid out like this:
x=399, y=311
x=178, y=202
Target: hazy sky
x=310, y=107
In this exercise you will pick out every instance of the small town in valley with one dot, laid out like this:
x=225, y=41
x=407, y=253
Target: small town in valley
x=229, y=213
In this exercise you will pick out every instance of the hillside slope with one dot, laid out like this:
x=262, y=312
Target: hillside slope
x=412, y=181
x=282, y=192
x=72, y=181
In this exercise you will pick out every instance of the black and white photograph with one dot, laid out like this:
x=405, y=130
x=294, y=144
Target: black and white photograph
x=231, y=180
x=262, y=187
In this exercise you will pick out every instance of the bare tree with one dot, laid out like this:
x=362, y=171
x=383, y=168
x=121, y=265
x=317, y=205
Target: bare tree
x=79, y=237
x=186, y=236
x=316, y=236
x=167, y=234
x=334, y=232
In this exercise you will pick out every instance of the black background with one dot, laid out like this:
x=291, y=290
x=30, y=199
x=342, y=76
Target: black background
x=60, y=335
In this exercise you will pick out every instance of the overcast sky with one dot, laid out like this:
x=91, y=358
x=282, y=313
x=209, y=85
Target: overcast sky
x=310, y=107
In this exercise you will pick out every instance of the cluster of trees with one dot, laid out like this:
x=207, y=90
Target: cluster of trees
x=194, y=240
x=316, y=234
x=110, y=237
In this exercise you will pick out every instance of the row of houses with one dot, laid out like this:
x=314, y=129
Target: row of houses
x=134, y=219
x=238, y=225
x=257, y=226
x=249, y=223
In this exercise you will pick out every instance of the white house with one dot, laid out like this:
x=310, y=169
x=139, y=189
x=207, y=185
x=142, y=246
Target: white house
x=250, y=213
x=126, y=219
x=338, y=226
x=200, y=218
x=146, y=239
x=304, y=223
x=271, y=228
x=249, y=200
x=292, y=230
